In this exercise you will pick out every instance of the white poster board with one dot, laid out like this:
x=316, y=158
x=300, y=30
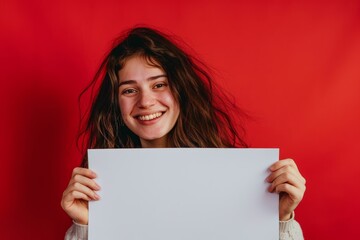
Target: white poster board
x=183, y=194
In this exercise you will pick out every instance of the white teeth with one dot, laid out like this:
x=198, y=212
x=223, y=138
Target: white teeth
x=150, y=116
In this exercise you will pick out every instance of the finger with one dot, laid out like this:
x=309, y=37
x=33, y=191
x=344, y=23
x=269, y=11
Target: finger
x=286, y=169
x=84, y=172
x=294, y=193
x=277, y=173
x=71, y=196
x=90, y=183
x=287, y=164
x=286, y=177
x=81, y=188
x=281, y=163
x=68, y=200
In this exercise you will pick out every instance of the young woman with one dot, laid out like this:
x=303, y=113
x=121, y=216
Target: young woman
x=153, y=94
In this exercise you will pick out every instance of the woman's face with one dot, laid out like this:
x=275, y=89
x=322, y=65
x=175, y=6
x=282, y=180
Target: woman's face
x=147, y=105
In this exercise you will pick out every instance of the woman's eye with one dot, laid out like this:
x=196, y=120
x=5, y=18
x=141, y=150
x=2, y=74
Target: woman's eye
x=159, y=85
x=129, y=91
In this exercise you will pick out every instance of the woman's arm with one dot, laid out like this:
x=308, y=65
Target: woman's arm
x=77, y=232
x=285, y=179
x=290, y=230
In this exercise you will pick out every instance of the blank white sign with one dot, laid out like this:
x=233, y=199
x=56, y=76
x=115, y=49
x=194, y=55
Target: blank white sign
x=183, y=194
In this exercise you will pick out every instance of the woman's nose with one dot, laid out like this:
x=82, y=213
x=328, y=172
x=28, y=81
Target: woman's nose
x=146, y=99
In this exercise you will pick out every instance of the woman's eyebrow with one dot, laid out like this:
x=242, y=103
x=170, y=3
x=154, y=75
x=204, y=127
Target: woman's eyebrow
x=149, y=79
x=127, y=82
x=156, y=77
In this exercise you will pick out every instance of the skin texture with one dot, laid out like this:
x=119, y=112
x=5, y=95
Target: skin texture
x=147, y=105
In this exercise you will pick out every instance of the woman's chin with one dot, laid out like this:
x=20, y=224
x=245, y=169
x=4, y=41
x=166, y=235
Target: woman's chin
x=154, y=141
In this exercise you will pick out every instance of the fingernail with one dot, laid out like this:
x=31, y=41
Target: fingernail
x=96, y=197
x=97, y=187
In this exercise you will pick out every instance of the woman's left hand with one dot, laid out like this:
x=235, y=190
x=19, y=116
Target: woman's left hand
x=286, y=180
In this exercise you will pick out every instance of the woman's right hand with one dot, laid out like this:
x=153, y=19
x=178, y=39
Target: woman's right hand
x=80, y=190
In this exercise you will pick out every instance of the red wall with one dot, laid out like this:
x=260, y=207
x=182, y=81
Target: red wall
x=295, y=66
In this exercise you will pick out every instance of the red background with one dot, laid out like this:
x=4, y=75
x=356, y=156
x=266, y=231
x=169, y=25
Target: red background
x=295, y=66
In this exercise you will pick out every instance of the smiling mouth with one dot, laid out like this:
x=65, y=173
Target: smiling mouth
x=150, y=116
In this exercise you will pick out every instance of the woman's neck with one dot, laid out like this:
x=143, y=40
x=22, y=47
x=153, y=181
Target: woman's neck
x=156, y=143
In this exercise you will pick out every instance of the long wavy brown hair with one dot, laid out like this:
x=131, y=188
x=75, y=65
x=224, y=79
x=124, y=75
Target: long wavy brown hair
x=206, y=113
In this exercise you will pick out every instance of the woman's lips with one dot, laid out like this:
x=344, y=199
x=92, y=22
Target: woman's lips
x=149, y=117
